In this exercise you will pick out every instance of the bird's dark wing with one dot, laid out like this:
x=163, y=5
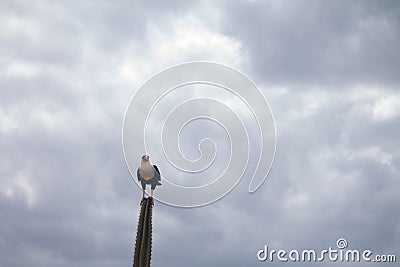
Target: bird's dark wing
x=157, y=174
x=157, y=170
x=139, y=177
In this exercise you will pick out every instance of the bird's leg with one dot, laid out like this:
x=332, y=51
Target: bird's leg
x=151, y=197
x=142, y=196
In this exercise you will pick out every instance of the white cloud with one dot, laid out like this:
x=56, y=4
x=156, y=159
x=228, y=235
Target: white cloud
x=188, y=39
x=22, y=69
x=21, y=185
x=374, y=153
x=386, y=108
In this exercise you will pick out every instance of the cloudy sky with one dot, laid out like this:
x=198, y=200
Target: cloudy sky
x=330, y=71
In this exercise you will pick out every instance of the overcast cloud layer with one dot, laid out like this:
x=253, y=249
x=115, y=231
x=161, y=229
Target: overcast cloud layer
x=331, y=74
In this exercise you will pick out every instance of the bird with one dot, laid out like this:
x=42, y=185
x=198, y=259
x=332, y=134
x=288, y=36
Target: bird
x=148, y=174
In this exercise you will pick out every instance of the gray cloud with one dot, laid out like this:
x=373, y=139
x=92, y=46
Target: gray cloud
x=319, y=43
x=327, y=69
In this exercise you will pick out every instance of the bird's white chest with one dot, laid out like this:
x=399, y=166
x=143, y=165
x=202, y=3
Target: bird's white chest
x=146, y=171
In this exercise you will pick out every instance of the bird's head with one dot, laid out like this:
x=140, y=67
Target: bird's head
x=145, y=158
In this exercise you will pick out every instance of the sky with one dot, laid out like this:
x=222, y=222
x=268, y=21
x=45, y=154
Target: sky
x=330, y=71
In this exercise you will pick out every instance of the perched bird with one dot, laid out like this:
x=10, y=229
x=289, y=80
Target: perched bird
x=148, y=174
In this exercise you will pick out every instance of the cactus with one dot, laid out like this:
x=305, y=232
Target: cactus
x=142, y=253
